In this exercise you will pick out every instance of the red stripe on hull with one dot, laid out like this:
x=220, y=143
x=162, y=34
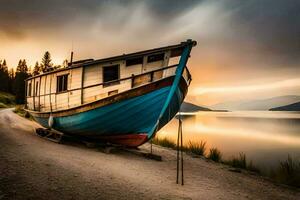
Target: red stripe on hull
x=133, y=140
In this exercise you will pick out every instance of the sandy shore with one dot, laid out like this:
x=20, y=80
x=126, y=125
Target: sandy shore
x=34, y=168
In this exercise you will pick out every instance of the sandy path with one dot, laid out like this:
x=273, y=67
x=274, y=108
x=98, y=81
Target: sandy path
x=33, y=168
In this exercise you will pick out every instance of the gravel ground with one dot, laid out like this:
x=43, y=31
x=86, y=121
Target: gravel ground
x=34, y=168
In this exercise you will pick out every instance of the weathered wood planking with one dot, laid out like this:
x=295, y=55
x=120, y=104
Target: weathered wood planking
x=78, y=78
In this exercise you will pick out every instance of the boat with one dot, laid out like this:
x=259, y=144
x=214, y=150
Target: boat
x=121, y=100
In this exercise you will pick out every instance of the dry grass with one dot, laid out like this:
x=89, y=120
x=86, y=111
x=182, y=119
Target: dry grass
x=197, y=148
x=164, y=142
x=288, y=172
x=241, y=162
x=215, y=154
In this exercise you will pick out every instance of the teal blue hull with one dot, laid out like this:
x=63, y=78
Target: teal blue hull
x=130, y=118
x=137, y=115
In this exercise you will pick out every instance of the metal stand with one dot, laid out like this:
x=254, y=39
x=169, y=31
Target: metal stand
x=179, y=155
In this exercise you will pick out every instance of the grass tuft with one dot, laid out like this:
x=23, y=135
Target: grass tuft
x=165, y=142
x=241, y=162
x=197, y=148
x=251, y=167
x=288, y=172
x=215, y=154
x=238, y=162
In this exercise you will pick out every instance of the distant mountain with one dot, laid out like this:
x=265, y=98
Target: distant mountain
x=189, y=107
x=260, y=104
x=290, y=107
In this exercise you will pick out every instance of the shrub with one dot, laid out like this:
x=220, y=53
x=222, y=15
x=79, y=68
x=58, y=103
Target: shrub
x=6, y=99
x=19, y=109
x=2, y=105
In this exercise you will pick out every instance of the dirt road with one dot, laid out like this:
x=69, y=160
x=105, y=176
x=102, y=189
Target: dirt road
x=34, y=168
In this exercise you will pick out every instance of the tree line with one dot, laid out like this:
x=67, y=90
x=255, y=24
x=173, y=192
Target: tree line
x=14, y=81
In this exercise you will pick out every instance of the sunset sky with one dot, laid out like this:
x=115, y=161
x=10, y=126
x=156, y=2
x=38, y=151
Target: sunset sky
x=246, y=49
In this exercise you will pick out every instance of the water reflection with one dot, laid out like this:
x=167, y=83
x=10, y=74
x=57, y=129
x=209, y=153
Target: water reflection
x=265, y=137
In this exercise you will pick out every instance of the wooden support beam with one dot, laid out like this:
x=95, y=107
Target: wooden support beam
x=82, y=84
x=33, y=94
x=40, y=92
x=26, y=83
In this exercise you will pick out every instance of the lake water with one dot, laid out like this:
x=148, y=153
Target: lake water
x=265, y=137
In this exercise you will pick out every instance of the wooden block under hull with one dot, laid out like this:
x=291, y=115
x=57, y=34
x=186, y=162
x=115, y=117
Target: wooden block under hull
x=49, y=134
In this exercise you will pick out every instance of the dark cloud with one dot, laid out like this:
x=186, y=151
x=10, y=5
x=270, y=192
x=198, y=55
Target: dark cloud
x=18, y=15
x=166, y=10
x=274, y=25
x=26, y=14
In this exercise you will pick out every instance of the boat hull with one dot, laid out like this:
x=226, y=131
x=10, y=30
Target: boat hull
x=126, y=119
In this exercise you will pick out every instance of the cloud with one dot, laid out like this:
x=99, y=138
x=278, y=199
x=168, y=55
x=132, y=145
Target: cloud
x=283, y=84
x=239, y=42
x=20, y=15
x=233, y=35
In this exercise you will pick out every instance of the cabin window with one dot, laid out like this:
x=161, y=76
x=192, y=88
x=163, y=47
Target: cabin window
x=29, y=90
x=62, y=83
x=111, y=74
x=156, y=57
x=36, y=88
x=134, y=61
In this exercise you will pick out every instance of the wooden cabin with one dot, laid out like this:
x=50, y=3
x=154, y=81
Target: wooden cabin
x=90, y=80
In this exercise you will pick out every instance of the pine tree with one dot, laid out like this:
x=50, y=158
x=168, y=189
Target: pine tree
x=19, y=66
x=46, y=62
x=4, y=66
x=1, y=76
x=4, y=77
x=36, y=69
x=11, y=74
x=30, y=71
x=22, y=66
x=19, y=84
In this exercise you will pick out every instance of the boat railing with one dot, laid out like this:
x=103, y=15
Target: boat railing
x=187, y=75
x=106, y=88
x=132, y=77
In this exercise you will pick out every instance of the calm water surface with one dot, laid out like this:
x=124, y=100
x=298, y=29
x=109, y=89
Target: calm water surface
x=265, y=137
